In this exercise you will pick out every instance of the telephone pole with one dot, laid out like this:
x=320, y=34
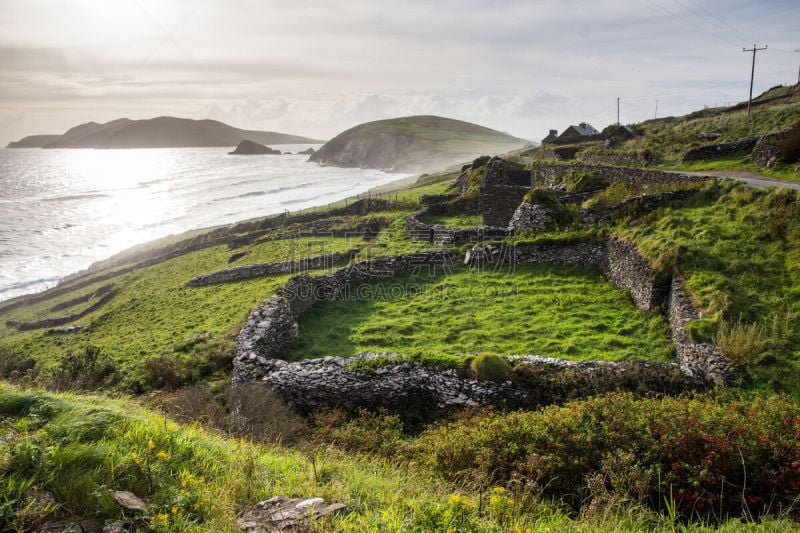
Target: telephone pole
x=752, y=72
x=617, y=110
x=798, y=70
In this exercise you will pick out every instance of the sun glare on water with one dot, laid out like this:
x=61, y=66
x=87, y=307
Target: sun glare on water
x=132, y=188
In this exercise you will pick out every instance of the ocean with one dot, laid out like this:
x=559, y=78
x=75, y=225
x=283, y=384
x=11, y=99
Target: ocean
x=62, y=210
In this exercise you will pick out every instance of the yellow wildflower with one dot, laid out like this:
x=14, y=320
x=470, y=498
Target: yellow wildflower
x=163, y=455
x=151, y=444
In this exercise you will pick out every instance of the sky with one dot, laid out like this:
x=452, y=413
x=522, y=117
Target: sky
x=316, y=68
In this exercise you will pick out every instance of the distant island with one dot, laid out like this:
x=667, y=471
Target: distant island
x=248, y=147
x=413, y=144
x=160, y=132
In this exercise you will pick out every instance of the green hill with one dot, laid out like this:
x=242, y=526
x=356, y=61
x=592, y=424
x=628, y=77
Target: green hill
x=160, y=132
x=413, y=144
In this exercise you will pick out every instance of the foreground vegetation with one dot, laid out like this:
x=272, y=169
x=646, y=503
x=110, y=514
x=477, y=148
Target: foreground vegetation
x=608, y=464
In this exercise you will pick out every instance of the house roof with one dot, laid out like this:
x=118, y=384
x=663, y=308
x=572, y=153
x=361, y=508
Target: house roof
x=584, y=129
x=552, y=136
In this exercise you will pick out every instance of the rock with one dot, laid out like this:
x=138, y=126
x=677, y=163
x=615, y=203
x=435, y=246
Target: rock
x=253, y=148
x=288, y=515
x=85, y=526
x=116, y=527
x=308, y=151
x=531, y=216
x=130, y=501
x=497, y=172
x=708, y=135
x=65, y=329
x=478, y=162
x=782, y=146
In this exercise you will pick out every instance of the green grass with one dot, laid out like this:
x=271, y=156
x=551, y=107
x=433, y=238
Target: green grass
x=456, y=221
x=152, y=312
x=544, y=310
x=739, y=250
x=781, y=171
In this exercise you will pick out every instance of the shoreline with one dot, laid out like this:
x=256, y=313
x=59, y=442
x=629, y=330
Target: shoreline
x=173, y=239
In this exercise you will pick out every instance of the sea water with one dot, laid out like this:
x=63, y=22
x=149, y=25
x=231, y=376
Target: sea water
x=62, y=210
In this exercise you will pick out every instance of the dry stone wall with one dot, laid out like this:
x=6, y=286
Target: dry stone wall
x=441, y=235
x=311, y=384
x=704, y=356
x=713, y=151
x=269, y=269
x=625, y=267
x=549, y=173
x=402, y=386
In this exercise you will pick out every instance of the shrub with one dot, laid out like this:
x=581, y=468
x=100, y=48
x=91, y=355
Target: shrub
x=13, y=364
x=378, y=433
x=541, y=196
x=713, y=458
x=88, y=369
x=740, y=341
x=490, y=367
x=256, y=412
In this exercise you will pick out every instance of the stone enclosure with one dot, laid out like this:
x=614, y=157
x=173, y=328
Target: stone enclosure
x=401, y=385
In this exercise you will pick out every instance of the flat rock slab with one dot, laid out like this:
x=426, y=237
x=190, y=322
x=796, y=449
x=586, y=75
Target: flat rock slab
x=287, y=515
x=130, y=501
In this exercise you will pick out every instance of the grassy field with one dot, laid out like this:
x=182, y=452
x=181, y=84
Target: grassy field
x=151, y=323
x=543, y=310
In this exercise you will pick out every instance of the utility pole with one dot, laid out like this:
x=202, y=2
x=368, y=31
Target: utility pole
x=798, y=70
x=655, y=115
x=617, y=110
x=752, y=72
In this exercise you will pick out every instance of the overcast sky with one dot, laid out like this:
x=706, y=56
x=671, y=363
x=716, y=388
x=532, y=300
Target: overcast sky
x=316, y=68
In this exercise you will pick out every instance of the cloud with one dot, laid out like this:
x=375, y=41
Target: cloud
x=316, y=67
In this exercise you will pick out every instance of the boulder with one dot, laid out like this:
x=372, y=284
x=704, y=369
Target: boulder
x=308, y=151
x=130, y=501
x=281, y=515
x=253, y=148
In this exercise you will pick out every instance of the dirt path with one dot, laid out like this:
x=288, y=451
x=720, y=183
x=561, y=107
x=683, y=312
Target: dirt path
x=751, y=178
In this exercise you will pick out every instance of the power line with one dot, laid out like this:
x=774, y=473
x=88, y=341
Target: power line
x=752, y=72
x=687, y=21
x=733, y=30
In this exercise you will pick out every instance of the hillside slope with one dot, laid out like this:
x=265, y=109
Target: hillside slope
x=413, y=144
x=33, y=141
x=163, y=132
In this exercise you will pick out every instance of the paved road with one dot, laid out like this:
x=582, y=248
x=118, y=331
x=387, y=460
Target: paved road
x=751, y=178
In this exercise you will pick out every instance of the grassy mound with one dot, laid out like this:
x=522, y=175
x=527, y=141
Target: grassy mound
x=739, y=250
